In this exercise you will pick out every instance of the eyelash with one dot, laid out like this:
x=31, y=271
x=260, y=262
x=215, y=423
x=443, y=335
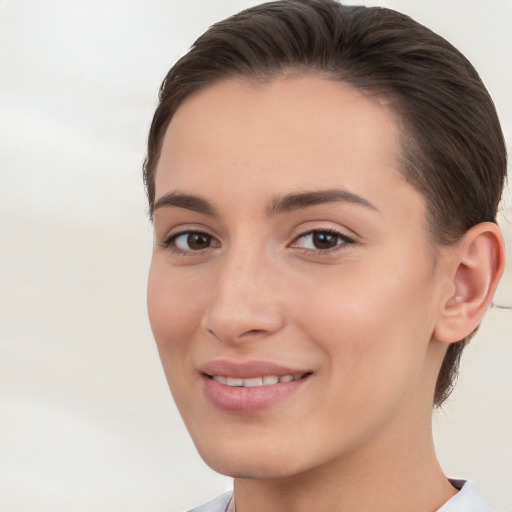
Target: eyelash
x=169, y=242
x=342, y=240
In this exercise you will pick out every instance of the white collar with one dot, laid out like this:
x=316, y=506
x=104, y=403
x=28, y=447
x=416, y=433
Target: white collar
x=468, y=499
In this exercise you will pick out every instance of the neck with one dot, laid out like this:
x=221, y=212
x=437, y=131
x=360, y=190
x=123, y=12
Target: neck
x=398, y=471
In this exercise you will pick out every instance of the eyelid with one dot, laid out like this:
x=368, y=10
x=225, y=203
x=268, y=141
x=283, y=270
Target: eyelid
x=344, y=240
x=175, y=233
x=167, y=231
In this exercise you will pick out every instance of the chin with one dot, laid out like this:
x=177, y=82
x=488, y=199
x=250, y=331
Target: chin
x=250, y=469
x=255, y=463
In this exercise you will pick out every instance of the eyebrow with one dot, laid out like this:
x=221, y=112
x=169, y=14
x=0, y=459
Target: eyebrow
x=302, y=200
x=186, y=201
x=278, y=205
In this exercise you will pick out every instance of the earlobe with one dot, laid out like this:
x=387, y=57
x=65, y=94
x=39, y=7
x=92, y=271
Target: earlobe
x=478, y=264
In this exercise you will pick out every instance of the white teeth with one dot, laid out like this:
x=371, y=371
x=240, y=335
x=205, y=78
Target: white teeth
x=251, y=383
x=266, y=380
x=232, y=381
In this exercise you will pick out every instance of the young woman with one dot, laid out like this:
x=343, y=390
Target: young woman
x=323, y=182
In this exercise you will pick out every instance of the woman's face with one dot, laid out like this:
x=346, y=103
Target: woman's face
x=293, y=291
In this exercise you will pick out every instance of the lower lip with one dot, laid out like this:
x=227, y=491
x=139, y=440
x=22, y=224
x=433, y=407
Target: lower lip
x=247, y=400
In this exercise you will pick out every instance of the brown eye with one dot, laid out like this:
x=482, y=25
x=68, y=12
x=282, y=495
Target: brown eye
x=319, y=240
x=325, y=240
x=198, y=241
x=191, y=241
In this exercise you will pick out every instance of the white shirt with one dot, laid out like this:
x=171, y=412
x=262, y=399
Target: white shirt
x=468, y=499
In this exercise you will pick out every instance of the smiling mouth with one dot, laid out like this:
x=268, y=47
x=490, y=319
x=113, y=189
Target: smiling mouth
x=250, y=388
x=264, y=380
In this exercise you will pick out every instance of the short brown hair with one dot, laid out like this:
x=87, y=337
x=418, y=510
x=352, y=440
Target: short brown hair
x=453, y=150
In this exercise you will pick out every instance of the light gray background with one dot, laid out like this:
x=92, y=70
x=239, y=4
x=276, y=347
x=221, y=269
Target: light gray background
x=87, y=422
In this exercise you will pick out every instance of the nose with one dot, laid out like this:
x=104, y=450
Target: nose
x=245, y=303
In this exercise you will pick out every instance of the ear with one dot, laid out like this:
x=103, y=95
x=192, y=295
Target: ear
x=477, y=266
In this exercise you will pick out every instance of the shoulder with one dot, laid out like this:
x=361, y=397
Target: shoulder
x=468, y=499
x=219, y=504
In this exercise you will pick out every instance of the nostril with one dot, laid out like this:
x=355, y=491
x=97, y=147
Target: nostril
x=253, y=331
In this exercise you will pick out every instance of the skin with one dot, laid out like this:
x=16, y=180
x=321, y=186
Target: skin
x=361, y=316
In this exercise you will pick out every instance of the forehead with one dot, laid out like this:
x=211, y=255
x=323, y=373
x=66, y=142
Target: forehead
x=283, y=125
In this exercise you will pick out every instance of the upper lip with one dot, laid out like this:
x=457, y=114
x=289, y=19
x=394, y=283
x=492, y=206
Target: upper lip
x=248, y=369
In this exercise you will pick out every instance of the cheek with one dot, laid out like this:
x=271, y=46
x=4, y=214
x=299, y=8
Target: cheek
x=174, y=309
x=371, y=325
